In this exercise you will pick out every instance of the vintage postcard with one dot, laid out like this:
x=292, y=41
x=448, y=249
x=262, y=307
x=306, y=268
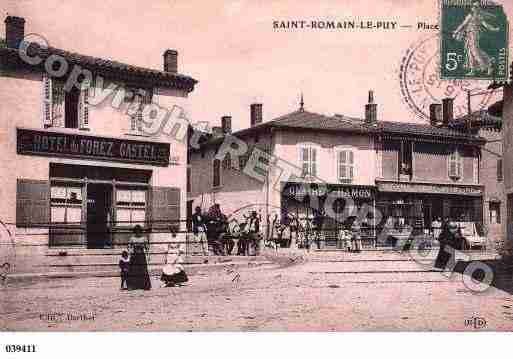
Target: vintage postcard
x=252, y=166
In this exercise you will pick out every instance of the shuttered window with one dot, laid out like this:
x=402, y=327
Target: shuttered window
x=32, y=203
x=165, y=209
x=69, y=109
x=137, y=98
x=455, y=165
x=345, y=165
x=499, y=170
x=84, y=106
x=47, y=101
x=308, y=160
x=58, y=104
x=495, y=212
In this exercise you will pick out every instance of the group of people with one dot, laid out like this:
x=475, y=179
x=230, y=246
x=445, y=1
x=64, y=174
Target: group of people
x=212, y=228
x=351, y=239
x=134, y=261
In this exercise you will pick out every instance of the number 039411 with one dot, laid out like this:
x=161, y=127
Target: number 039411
x=20, y=348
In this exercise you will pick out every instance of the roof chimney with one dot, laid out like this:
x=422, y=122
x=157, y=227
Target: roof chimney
x=14, y=31
x=435, y=114
x=226, y=124
x=371, y=109
x=256, y=114
x=171, y=61
x=448, y=111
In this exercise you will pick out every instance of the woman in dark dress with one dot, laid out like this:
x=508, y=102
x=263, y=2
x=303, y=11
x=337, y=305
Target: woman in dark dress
x=450, y=240
x=138, y=276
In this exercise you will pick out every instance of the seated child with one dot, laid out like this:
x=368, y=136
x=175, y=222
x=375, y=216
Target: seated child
x=173, y=272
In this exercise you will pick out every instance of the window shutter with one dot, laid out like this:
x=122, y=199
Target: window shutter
x=346, y=165
x=58, y=103
x=165, y=209
x=351, y=164
x=452, y=168
x=84, y=106
x=313, y=162
x=32, y=203
x=303, y=158
x=340, y=163
x=47, y=101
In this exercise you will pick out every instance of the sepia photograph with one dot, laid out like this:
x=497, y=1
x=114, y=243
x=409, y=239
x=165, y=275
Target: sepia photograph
x=255, y=166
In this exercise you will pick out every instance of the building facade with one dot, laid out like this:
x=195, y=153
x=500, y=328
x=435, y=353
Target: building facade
x=507, y=119
x=489, y=127
x=412, y=174
x=429, y=172
x=313, y=164
x=79, y=168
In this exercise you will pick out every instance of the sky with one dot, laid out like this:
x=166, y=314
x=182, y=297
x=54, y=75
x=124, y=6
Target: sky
x=237, y=56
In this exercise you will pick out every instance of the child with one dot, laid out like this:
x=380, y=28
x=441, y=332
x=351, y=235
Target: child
x=124, y=264
x=356, y=238
x=173, y=272
x=6, y=267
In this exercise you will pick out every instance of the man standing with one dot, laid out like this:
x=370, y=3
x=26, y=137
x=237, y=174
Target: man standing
x=254, y=233
x=199, y=230
x=356, y=237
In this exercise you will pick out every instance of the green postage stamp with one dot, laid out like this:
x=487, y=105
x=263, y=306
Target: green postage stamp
x=473, y=40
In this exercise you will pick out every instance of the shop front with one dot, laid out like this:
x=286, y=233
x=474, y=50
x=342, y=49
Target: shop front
x=338, y=206
x=97, y=190
x=418, y=205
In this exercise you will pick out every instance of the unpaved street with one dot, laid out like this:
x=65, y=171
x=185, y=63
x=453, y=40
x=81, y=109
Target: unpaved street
x=339, y=293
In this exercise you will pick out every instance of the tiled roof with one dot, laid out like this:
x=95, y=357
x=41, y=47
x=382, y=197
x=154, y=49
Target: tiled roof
x=310, y=120
x=419, y=129
x=305, y=120
x=478, y=119
x=104, y=67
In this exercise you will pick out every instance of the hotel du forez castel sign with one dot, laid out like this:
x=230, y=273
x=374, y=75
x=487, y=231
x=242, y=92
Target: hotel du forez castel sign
x=43, y=143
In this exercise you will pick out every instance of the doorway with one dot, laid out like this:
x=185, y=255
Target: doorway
x=99, y=205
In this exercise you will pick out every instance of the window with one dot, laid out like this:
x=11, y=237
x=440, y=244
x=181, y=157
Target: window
x=66, y=204
x=455, y=165
x=71, y=99
x=216, y=175
x=495, y=212
x=308, y=160
x=68, y=109
x=137, y=98
x=405, y=158
x=130, y=207
x=345, y=165
x=499, y=170
x=32, y=203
